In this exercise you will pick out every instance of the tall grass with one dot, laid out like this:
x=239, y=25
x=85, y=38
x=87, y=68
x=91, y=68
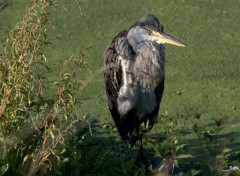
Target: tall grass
x=34, y=129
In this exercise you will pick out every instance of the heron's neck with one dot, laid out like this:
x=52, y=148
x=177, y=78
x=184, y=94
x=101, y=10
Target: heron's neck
x=133, y=38
x=133, y=43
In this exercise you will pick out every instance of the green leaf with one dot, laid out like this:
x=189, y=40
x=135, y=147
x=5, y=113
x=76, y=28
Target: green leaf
x=52, y=135
x=4, y=169
x=226, y=150
x=26, y=157
x=183, y=156
x=56, y=83
x=179, y=147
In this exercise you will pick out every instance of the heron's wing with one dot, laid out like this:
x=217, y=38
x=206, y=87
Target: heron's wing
x=151, y=61
x=158, y=92
x=112, y=71
x=160, y=87
x=113, y=81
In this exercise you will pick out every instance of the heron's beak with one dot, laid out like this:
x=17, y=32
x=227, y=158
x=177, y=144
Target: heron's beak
x=164, y=38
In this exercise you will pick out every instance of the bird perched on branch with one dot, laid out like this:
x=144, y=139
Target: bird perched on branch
x=134, y=76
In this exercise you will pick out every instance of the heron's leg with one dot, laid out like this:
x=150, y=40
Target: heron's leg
x=142, y=158
x=141, y=148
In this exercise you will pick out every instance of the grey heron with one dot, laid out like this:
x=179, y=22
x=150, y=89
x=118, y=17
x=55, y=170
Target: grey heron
x=134, y=74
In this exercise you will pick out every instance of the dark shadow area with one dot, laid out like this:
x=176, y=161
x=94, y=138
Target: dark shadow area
x=98, y=150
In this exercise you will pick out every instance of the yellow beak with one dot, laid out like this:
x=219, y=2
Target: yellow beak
x=164, y=38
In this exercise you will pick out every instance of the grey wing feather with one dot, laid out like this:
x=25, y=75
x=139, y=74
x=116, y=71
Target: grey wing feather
x=154, y=62
x=113, y=82
x=112, y=71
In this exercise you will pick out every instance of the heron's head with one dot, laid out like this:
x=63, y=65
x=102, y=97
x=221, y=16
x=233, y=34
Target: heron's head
x=149, y=29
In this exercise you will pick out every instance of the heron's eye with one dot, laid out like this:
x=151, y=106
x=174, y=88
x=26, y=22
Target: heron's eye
x=149, y=31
